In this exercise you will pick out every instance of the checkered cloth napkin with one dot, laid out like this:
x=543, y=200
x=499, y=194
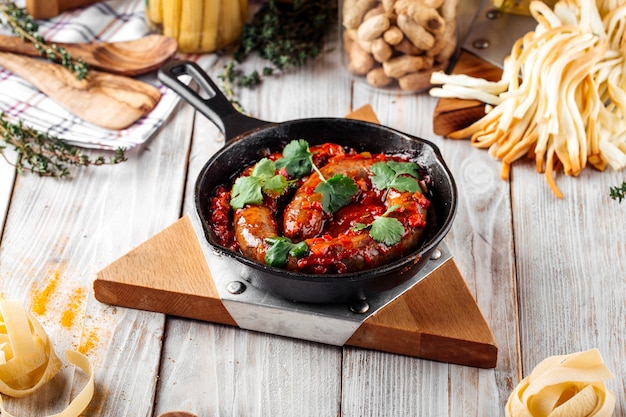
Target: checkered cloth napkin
x=116, y=20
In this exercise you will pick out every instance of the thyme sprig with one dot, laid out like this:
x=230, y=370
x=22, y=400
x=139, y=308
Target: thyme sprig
x=286, y=34
x=23, y=25
x=45, y=154
x=618, y=192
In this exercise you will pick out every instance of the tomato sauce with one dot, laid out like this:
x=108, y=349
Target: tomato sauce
x=339, y=246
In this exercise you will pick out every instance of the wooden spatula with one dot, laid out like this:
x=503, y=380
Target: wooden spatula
x=106, y=100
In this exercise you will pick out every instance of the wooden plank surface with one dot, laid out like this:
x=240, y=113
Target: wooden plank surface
x=563, y=261
x=7, y=173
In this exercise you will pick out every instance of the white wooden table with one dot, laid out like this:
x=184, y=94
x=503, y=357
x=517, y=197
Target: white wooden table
x=549, y=276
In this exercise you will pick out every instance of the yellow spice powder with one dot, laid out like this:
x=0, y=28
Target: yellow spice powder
x=73, y=307
x=41, y=298
x=90, y=339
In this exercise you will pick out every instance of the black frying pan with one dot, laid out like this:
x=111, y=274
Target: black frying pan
x=247, y=139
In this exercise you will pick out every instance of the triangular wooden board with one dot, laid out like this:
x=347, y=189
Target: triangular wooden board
x=436, y=319
x=167, y=274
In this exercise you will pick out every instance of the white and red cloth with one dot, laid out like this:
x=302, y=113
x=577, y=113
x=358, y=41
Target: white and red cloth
x=111, y=21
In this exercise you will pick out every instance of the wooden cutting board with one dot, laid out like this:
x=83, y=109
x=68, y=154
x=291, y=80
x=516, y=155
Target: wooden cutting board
x=453, y=114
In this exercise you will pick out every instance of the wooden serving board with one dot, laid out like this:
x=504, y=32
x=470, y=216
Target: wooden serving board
x=435, y=319
x=452, y=114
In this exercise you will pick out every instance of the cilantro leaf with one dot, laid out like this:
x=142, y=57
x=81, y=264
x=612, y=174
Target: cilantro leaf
x=275, y=186
x=383, y=174
x=297, y=158
x=384, y=229
x=390, y=175
x=262, y=179
x=336, y=192
x=400, y=168
x=278, y=254
x=246, y=190
x=264, y=169
x=387, y=230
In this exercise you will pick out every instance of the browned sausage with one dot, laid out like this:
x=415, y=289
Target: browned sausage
x=304, y=217
x=357, y=250
x=253, y=224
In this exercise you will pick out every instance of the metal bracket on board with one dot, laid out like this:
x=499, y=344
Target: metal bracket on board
x=254, y=309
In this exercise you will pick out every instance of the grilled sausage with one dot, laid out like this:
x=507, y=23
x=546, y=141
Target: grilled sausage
x=253, y=224
x=357, y=250
x=304, y=216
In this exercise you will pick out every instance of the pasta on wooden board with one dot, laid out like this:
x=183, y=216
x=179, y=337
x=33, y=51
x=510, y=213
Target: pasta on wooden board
x=561, y=98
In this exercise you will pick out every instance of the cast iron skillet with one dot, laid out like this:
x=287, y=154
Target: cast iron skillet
x=246, y=141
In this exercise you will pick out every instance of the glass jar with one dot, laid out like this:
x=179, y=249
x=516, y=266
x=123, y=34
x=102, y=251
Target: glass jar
x=518, y=6
x=398, y=44
x=198, y=25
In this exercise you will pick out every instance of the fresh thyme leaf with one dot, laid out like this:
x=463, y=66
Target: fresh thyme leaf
x=44, y=154
x=297, y=158
x=618, y=192
x=384, y=229
x=286, y=34
x=23, y=25
x=390, y=175
x=262, y=179
x=336, y=192
x=278, y=254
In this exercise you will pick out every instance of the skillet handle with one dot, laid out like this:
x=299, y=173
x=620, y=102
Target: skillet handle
x=217, y=108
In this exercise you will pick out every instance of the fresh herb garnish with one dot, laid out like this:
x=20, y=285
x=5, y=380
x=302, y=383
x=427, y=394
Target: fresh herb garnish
x=278, y=254
x=263, y=179
x=618, y=193
x=297, y=158
x=391, y=174
x=23, y=25
x=44, y=154
x=286, y=34
x=384, y=229
x=336, y=191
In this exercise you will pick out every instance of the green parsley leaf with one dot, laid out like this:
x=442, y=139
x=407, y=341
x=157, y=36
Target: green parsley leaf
x=390, y=175
x=278, y=254
x=384, y=229
x=297, y=158
x=249, y=190
x=336, y=192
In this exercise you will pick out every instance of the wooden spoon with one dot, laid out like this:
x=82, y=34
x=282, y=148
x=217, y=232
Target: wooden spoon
x=106, y=100
x=124, y=58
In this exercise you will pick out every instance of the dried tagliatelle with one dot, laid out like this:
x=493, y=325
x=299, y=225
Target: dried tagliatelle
x=561, y=99
x=564, y=386
x=28, y=361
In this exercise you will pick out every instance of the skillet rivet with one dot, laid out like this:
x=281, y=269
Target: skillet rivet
x=435, y=255
x=481, y=43
x=360, y=307
x=493, y=14
x=235, y=287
